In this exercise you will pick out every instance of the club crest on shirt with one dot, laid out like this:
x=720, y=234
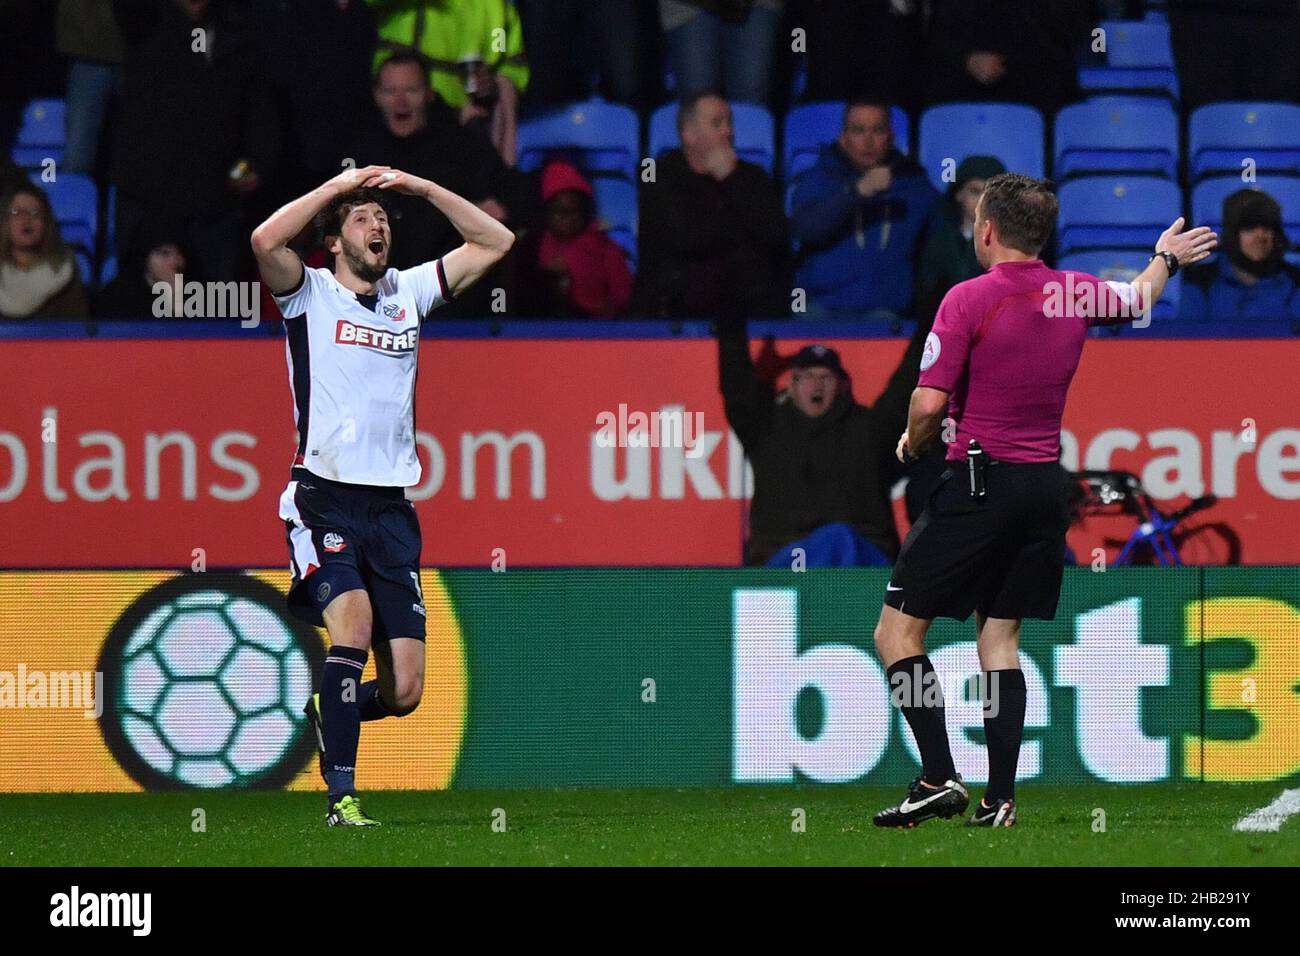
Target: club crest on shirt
x=394, y=311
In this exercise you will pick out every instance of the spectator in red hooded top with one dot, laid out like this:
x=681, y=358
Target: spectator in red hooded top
x=569, y=265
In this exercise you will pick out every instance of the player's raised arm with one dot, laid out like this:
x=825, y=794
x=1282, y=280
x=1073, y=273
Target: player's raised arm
x=279, y=265
x=486, y=240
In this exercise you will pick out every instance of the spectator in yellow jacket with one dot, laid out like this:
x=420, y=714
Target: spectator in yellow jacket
x=474, y=51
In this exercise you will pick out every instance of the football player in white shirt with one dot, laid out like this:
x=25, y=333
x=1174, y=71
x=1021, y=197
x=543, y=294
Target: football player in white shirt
x=354, y=541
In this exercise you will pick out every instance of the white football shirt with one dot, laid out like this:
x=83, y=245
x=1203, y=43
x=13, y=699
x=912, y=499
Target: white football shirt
x=352, y=370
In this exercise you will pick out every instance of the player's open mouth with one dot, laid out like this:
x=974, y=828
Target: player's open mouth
x=376, y=246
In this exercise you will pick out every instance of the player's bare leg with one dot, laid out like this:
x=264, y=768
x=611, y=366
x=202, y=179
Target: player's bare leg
x=399, y=669
x=337, y=706
x=1003, y=683
x=915, y=690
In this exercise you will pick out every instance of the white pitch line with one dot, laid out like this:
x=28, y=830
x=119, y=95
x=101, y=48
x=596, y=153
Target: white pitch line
x=1269, y=819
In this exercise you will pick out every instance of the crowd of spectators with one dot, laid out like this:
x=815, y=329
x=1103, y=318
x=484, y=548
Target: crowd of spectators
x=202, y=116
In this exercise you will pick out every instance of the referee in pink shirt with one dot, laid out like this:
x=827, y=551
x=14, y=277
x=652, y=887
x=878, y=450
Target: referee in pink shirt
x=991, y=540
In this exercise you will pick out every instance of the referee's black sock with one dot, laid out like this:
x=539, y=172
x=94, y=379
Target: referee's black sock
x=372, y=705
x=340, y=706
x=1004, y=725
x=914, y=689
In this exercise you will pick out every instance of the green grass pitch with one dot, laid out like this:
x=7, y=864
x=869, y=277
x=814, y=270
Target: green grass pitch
x=1165, y=824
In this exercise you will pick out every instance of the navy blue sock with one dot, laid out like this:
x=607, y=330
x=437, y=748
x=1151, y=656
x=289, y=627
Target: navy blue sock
x=1004, y=725
x=914, y=689
x=372, y=704
x=340, y=706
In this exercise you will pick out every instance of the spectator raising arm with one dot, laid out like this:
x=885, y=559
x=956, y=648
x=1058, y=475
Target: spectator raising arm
x=747, y=399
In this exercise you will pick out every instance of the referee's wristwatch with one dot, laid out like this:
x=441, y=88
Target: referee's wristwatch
x=1171, y=261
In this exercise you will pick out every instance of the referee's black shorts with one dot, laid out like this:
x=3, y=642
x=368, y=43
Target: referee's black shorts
x=1003, y=554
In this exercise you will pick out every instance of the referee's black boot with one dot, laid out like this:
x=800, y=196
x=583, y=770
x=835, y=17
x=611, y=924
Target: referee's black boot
x=1001, y=814
x=924, y=802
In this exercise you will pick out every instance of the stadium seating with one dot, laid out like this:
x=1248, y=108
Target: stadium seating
x=1123, y=265
x=616, y=205
x=1099, y=212
x=76, y=208
x=1208, y=196
x=85, y=268
x=1139, y=59
x=42, y=134
x=1116, y=136
x=752, y=125
x=809, y=127
x=1220, y=136
x=108, y=271
x=1010, y=131
x=599, y=138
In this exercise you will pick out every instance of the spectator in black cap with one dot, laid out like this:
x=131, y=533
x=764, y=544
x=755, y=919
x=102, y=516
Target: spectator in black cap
x=823, y=463
x=1251, y=279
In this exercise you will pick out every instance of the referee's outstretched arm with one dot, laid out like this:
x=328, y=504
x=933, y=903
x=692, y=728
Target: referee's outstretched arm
x=486, y=240
x=1174, y=250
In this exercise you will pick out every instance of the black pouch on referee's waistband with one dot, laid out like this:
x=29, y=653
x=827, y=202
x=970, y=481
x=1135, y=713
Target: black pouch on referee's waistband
x=977, y=466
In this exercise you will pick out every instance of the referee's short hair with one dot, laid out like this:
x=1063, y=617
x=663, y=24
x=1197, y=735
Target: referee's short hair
x=1023, y=208
x=329, y=221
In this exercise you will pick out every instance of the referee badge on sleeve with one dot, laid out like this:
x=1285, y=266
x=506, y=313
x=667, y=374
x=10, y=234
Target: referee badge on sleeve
x=930, y=354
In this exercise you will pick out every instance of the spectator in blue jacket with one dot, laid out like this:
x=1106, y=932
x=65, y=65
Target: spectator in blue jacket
x=859, y=216
x=1251, y=280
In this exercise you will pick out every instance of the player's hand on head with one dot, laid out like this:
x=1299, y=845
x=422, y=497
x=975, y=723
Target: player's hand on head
x=401, y=182
x=358, y=177
x=1188, y=247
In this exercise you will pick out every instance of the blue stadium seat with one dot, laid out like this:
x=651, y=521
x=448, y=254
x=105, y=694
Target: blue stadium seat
x=85, y=268
x=1138, y=58
x=1208, y=196
x=1128, y=212
x=1114, y=136
x=616, y=205
x=809, y=127
x=1138, y=45
x=1010, y=131
x=110, y=227
x=1221, y=135
x=76, y=208
x=42, y=134
x=1123, y=265
x=753, y=128
x=599, y=138
x=108, y=271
